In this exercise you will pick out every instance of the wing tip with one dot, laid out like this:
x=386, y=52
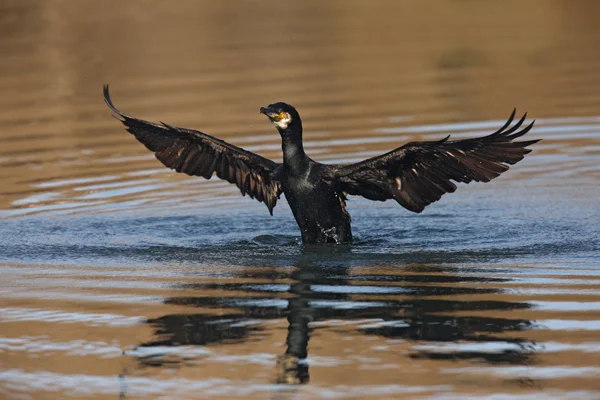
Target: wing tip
x=513, y=134
x=116, y=113
x=528, y=143
x=508, y=133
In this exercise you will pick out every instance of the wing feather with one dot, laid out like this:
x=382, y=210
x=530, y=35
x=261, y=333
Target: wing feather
x=196, y=153
x=420, y=173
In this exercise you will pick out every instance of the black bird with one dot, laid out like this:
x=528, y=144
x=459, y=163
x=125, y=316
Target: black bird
x=415, y=175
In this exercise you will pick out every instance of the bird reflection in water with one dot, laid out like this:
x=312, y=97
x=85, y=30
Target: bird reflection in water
x=325, y=289
x=294, y=369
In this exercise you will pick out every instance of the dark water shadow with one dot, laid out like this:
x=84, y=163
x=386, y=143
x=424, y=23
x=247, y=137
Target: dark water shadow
x=324, y=288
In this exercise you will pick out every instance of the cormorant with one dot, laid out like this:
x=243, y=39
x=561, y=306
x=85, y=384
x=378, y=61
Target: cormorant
x=415, y=175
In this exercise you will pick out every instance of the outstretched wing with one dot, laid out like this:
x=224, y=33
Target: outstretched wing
x=419, y=173
x=196, y=153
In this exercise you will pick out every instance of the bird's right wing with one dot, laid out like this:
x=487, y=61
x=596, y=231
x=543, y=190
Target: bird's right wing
x=196, y=153
x=419, y=173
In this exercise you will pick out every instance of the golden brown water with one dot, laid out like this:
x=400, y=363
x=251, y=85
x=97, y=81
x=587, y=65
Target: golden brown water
x=121, y=279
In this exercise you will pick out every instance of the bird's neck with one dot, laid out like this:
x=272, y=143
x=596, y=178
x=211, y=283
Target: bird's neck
x=294, y=156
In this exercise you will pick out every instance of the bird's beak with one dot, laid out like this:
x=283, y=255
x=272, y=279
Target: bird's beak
x=268, y=112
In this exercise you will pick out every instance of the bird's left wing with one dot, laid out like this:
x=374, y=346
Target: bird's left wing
x=196, y=153
x=419, y=173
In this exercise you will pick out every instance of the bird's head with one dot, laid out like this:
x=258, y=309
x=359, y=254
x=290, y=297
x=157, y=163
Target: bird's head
x=284, y=117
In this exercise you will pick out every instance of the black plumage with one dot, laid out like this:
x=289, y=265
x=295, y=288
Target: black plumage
x=195, y=153
x=419, y=173
x=415, y=175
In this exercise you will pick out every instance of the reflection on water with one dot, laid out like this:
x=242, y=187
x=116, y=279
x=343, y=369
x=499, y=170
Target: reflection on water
x=122, y=278
x=321, y=296
x=244, y=317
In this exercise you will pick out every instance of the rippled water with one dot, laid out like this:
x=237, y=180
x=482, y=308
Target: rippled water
x=121, y=279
